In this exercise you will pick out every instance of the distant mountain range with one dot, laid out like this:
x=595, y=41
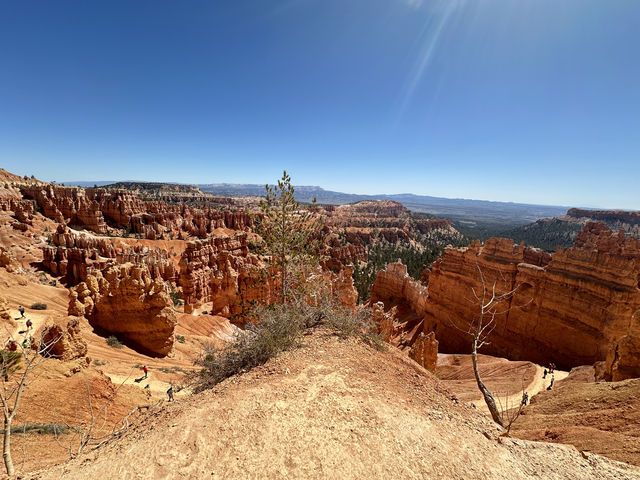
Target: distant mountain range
x=453, y=208
x=480, y=218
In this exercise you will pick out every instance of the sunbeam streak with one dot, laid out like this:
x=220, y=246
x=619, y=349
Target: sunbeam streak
x=432, y=32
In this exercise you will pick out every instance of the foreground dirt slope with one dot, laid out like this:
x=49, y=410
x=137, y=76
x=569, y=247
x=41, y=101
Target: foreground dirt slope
x=331, y=409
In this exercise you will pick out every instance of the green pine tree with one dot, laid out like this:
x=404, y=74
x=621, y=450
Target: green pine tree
x=290, y=233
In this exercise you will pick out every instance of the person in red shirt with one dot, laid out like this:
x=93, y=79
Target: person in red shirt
x=145, y=370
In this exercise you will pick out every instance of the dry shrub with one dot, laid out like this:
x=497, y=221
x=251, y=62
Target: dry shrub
x=278, y=328
x=113, y=341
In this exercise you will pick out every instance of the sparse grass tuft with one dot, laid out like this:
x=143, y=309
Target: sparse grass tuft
x=42, y=428
x=39, y=306
x=180, y=339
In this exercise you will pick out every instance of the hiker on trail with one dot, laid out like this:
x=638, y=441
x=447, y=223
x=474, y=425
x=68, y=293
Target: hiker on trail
x=551, y=384
x=145, y=370
x=525, y=398
x=26, y=343
x=21, y=310
x=545, y=373
x=29, y=324
x=170, y=393
x=552, y=367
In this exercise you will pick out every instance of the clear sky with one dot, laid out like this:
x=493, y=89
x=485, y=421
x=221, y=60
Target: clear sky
x=533, y=101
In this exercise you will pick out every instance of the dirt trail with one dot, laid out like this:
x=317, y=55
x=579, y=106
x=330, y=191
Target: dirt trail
x=331, y=409
x=506, y=379
x=538, y=385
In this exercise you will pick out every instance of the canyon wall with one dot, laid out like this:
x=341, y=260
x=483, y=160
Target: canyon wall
x=578, y=306
x=72, y=254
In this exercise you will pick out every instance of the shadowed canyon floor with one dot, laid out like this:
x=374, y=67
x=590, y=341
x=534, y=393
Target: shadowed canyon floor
x=331, y=409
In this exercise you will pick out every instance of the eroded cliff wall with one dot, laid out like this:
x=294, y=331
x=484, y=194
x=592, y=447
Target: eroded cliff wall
x=578, y=306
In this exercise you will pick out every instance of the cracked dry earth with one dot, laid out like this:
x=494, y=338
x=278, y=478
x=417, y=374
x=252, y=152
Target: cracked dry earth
x=331, y=409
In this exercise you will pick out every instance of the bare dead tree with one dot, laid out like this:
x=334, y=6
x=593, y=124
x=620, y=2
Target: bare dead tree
x=17, y=362
x=510, y=410
x=491, y=302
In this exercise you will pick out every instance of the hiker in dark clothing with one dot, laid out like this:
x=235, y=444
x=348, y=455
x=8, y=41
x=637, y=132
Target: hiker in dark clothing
x=170, y=393
x=551, y=384
x=21, y=310
x=545, y=373
x=525, y=398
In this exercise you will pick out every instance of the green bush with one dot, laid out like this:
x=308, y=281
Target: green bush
x=175, y=297
x=39, y=306
x=180, y=339
x=347, y=323
x=113, y=341
x=278, y=329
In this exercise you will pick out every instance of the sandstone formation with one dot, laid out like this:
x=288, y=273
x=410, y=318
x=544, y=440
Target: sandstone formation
x=350, y=229
x=5, y=313
x=221, y=270
x=127, y=301
x=64, y=343
x=6, y=258
x=395, y=288
x=92, y=208
x=579, y=306
x=72, y=254
x=425, y=350
x=66, y=205
x=607, y=216
x=402, y=325
x=383, y=320
x=342, y=288
x=551, y=233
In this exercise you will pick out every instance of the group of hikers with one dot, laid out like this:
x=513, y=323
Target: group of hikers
x=547, y=371
x=145, y=370
x=550, y=371
x=26, y=343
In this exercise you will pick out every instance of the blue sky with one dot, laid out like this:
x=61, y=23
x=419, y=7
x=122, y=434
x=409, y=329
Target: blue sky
x=533, y=101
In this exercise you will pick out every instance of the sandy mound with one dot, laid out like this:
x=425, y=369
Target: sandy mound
x=332, y=409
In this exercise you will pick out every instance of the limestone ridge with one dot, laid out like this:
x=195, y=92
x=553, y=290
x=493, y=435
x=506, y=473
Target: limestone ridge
x=97, y=208
x=578, y=306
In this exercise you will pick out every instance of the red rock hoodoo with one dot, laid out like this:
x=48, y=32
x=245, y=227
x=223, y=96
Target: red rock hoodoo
x=125, y=300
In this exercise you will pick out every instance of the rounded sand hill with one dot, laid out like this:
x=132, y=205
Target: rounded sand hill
x=330, y=409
